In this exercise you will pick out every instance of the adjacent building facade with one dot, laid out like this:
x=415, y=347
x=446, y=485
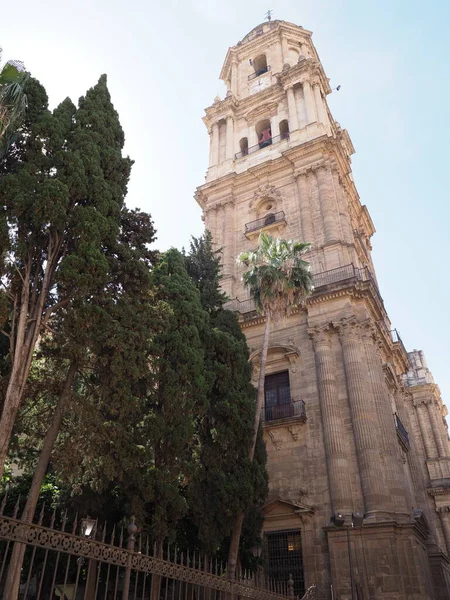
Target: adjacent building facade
x=358, y=449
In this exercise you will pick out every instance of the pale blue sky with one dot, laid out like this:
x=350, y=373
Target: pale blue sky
x=163, y=60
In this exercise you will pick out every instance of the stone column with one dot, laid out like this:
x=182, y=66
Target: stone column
x=292, y=107
x=332, y=422
x=284, y=50
x=343, y=203
x=366, y=429
x=228, y=245
x=445, y=520
x=436, y=426
x=309, y=103
x=327, y=203
x=229, y=150
x=252, y=137
x=426, y=431
x=234, y=79
x=387, y=443
x=305, y=207
x=275, y=126
x=214, y=145
x=320, y=108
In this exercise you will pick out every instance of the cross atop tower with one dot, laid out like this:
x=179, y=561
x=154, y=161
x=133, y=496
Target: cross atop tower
x=269, y=14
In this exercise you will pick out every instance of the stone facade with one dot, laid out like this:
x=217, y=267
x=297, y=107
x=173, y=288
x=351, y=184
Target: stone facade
x=364, y=431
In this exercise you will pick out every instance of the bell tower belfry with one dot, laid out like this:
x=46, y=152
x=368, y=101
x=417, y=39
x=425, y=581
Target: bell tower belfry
x=354, y=444
x=275, y=112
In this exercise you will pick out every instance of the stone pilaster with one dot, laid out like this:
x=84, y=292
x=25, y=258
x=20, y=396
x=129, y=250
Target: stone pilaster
x=344, y=215
x=320, y=107
x=229, y=248
x=305, y=207
x=229, y=149
x=436, y=425
x=444, y=514
x=292, y=107
x=393, y=466
x=426, y=430
x=366, y=429
x=309, y=103
x=234, y=86
x=332, y=422
x=327, y=203
x=214, y=159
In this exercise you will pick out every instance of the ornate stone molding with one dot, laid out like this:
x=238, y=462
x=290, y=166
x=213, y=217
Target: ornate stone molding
x=348, y=329
x=266, y=192
x=277, y=438
x=295, y=431
x=321, y=335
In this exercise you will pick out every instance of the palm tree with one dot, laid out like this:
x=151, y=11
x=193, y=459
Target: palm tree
x=278, y=278
x=13, y=100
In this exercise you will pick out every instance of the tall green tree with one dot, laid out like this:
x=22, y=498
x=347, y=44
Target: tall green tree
x=63, y=184
x=105, y=316
x=226, y=483
x=13, y=100
x=277, y=278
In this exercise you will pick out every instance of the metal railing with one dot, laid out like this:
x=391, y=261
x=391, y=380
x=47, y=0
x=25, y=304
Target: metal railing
x=398, y=340
x=277, y=217
x=258, y=72
x=268, y=142
x=402, y=433
x=116, y=563
x=295, y=408
x=320, y=280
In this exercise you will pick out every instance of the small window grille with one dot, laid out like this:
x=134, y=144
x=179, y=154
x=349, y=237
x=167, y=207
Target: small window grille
x=284, y=558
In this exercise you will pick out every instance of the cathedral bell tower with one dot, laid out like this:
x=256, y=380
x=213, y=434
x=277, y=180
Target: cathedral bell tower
x=341, y=428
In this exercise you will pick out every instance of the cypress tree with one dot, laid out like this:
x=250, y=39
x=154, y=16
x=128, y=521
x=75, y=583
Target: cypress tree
x=226, y=483
x=63, y=183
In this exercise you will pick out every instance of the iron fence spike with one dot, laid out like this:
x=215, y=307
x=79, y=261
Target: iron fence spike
x=2, y=507
x=16, y=507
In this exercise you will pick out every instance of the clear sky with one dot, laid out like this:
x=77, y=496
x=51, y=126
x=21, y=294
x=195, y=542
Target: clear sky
x=163, y=59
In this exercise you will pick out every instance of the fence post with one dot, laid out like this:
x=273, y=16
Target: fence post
x=132, y=529
x=290, y=585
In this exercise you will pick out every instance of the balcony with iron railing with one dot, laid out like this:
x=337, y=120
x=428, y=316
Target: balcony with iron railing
x=293, y=409
x=263, y=144
x=259, y=72
x=402, y=434
x=341, y=275
x=266, y=221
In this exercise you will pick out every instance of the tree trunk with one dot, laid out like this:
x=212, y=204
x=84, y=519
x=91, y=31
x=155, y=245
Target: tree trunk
x=24, y=343
x=15, y=565
x=237, y=528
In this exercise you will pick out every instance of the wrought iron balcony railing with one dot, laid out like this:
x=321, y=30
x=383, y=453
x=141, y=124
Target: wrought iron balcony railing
x=295, y=408
x=259, y=72
x=340, y=275
x=268, y=142
x=402, y=433
x=277, y=217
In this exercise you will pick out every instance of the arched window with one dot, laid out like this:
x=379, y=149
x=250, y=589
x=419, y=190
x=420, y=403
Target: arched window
x=243, y=144
x=260, y=65
x=264, y=133
x=284, y=129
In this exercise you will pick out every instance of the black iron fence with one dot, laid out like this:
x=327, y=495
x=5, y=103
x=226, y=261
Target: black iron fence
x=267, y=142
x=295, y=408
x=278, y=217
x=68, y=559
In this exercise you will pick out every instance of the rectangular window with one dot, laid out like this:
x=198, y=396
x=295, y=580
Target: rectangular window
x=284, y=558
x=277, y=395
